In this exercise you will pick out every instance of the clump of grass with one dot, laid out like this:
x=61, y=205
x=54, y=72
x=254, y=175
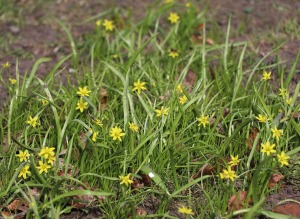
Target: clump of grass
x=146, y=120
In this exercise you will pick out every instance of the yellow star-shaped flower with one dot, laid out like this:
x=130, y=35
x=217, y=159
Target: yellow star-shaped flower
x=228, y=174
x=266, y=76
x=83, y=91
x=234, y=160
x=268, y=148
x=109, y=26
x=32, y=121
x=116, y=133
x=24, y=171
x=81, y=105
x=261, y=118
x=203, y=120
x=283, y=158
x=47, y=152
x=23, y=155
x=133, y=127
x=173, y=18
x=125, y=180
x=139, y=86
x=173, y=54
x=185, y=210
x=277, y=133
x=43, y=167
x=182, y=100
x=162, y=111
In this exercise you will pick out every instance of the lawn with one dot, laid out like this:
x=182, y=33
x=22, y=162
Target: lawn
x=157, y=118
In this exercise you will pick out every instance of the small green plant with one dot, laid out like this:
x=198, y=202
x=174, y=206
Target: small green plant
x=148, y=122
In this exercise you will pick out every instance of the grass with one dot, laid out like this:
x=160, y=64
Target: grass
x=166, y=160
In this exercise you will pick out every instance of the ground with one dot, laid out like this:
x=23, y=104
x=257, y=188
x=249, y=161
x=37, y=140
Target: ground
x=30, y=32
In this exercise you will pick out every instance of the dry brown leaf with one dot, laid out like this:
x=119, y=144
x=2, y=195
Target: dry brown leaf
x=140, y=211
x=207, y=169
x=35, y=192
x=290, y=208
x=238, y=201
x=199, y=40
x=190, y=79
x=18, y=205
x=6, y=214
x=82, y=201
x=103, y=97
x=275, y=179
x=138, y=183
x=252, y=136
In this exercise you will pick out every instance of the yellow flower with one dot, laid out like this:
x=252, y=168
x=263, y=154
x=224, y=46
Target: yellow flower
x=12, y=81
x=47, y=152
x=283, y=158
x=81, y=105
x=108, y=25
x=139, y=86
x=83, y=92
x=228, y=174
x=162, y=111
x=173, y=53
x=23, y=155
x=277, y=133
x=289, y=101
x=179, y=88
x=125, y=180
x=185, y=210
x=203, y=120
x=169, y=1
x=24, y=171
x=182, y=99
x=261, y=118
x=234, y=160
x=98, y=122
x=6, y=65
x=283, y=92
x=44, y=102
x=116, y=133
x=43, y=167
x=188, y=4
x=266, y=76
x=268, y=148
x=133, y=127
x=98, y=23
x=32, y=121
x=94, y=136
x=173, y=18
x=51, y=160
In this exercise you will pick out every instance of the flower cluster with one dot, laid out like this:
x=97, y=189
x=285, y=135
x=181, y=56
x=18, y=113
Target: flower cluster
x=82, y=104
x=229, y=173
x=47, y=156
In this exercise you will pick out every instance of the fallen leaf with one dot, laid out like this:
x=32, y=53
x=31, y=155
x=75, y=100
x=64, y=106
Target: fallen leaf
x=35, y=192
x=190, y=79
x=290, y=208
x=6, y=214
x=141, y=182
x=82, y=201
x=206, y=169
x=238, y=201
x=275, y=179
x=252, y=135
x=199, y=40
x=103, y=97
x=140, y=211
x=18, y=205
